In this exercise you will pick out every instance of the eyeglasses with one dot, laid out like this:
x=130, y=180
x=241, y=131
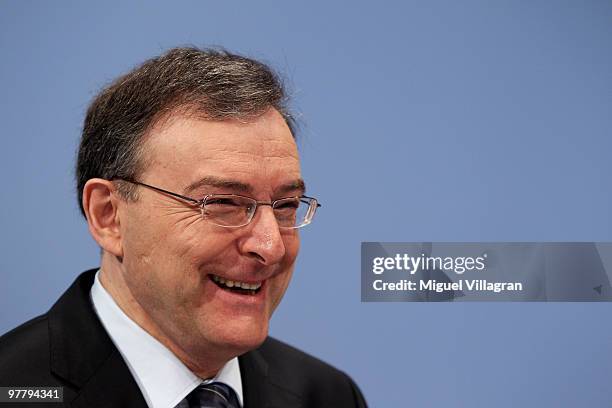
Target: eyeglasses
x=233, y=210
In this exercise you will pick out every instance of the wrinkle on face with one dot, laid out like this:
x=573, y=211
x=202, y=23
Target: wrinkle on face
x=172, y=249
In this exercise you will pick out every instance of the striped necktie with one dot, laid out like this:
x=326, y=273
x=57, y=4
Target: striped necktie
x=211, y=395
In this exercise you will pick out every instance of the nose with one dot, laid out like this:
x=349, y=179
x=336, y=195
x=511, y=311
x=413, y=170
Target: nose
x=262, y=240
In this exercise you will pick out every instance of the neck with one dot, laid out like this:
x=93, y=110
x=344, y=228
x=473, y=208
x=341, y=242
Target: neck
x=203, y=362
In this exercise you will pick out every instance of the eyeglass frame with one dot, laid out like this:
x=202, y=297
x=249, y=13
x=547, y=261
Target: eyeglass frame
x=202, y=203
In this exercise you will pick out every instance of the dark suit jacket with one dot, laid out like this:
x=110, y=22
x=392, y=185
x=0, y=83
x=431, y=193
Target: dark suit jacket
x=69, y=347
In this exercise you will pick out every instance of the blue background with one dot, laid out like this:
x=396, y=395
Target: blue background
x=423, y=121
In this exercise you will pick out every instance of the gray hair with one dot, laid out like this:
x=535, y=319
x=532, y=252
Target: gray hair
x=213, y=84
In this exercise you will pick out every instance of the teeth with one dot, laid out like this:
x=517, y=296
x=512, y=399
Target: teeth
x=231, y=284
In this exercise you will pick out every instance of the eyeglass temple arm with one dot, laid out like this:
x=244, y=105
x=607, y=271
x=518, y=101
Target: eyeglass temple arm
x=312, y=198
x=182, y=197
x=161, y=190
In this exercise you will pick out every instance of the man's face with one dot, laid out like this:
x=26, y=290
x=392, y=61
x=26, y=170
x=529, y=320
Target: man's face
x=171, y=254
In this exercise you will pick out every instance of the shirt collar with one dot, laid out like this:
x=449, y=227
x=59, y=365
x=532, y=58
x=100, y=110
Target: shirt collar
x=162, y=378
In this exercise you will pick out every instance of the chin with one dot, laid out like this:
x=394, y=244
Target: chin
x=241, y=338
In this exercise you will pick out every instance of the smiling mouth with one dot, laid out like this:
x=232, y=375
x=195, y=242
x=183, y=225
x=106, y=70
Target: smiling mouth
x=242, y=288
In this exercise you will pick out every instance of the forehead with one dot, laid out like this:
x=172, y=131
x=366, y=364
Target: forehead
x=260, y=152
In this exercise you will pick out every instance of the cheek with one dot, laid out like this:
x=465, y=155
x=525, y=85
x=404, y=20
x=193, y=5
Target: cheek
x=143, y=236
x=157, y=258
x=197, y=250
x=170, y=244
x=292, y=247
x=291, y=240
x=279, y=287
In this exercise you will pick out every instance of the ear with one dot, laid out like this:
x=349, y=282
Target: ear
x=100, y=203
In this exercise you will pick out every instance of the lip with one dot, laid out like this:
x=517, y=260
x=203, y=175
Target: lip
x=257, y=299
x=237, y=286
x=247, y=280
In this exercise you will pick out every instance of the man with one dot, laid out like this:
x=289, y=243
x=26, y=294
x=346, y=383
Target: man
x=189, y=178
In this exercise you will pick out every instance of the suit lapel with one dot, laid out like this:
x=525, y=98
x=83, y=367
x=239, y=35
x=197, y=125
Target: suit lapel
x=83, y=354
x=259, y=390
x=111, y=386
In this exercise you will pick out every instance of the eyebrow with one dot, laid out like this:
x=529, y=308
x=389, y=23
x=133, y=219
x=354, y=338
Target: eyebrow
x=211, y=181
x=296, y=185
x=235, y=185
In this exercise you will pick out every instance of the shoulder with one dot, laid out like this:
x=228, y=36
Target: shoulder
x=282, y=357
x=24, y=353
x=314, y=380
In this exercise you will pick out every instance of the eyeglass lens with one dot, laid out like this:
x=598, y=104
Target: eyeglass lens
x=235, y=211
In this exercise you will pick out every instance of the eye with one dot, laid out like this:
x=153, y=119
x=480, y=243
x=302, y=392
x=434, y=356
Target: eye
x=223, y=201
x=287, y=206
x=293, y=204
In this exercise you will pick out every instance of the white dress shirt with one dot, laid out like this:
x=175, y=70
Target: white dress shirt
x=163, y=379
